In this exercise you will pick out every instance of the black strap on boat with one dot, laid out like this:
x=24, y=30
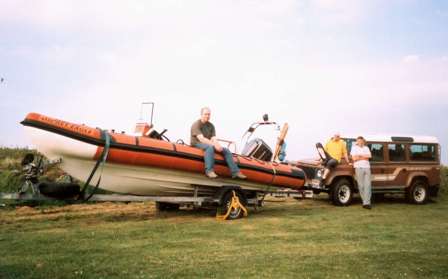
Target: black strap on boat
x=101, y=160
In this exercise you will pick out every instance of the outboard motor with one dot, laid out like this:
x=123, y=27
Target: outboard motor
x=58, y=190
x=31, y=173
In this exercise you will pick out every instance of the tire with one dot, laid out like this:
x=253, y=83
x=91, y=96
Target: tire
x=342, y=192
x=227, y=200
x=316, y=191
x=166, y=206
x=417, y=193
x=59, y=190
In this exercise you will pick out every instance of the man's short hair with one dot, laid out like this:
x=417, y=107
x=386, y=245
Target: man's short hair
x=361, y=138
x=205, y=108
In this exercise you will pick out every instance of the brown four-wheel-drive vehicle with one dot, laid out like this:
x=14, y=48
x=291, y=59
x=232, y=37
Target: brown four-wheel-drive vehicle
x=408, y=165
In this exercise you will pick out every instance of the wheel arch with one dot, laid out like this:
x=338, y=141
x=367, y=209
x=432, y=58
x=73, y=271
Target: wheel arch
x=350, y=178
x=417, y=176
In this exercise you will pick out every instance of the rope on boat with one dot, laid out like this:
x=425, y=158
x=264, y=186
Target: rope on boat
x=101, y=160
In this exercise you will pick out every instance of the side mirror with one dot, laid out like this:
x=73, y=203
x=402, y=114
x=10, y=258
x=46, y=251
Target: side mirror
x=265, y=117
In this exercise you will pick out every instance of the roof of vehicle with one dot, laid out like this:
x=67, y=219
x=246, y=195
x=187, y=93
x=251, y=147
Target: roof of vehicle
x=397, y=138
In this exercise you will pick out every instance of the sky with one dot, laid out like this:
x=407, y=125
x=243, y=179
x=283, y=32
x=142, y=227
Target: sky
x=322, y=66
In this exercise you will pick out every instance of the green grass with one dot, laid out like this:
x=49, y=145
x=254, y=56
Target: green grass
x=289, y=239
x=295, y=239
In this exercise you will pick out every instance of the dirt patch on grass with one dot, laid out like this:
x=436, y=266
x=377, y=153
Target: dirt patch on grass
x=107, y=211
x=94, y=213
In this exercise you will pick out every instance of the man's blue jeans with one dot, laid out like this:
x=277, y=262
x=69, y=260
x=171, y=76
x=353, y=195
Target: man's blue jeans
x=209, y=158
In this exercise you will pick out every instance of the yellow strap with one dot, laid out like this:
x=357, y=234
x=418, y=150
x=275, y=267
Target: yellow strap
x=235, y=204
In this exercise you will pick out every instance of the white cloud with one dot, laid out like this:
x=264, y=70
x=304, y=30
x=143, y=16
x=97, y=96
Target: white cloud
x=411, y=59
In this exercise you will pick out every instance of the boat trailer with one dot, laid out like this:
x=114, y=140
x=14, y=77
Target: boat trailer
x=230, y=205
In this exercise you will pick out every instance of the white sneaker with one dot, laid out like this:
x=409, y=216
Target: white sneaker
x=211, y=174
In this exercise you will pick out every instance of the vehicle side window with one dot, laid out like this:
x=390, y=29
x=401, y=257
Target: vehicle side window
x=377, y=152
x=422, y=152
x=396, y=152
x=349, y=143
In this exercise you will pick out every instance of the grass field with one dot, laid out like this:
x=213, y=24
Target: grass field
x=285, y=239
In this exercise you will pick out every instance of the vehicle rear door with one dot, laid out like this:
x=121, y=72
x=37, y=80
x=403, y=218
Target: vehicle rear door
x=396, y=167
x=377, y=163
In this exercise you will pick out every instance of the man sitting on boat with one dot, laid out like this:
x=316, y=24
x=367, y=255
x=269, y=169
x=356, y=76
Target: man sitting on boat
x=336, y=148
x=203, y=136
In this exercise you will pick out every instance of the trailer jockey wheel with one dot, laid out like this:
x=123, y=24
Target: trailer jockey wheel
x=233, y=206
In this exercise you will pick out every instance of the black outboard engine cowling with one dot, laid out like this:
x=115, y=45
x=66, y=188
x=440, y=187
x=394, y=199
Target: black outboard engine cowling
x=59, y=190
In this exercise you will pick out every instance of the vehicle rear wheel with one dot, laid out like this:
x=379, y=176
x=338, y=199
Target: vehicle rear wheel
x=417, y=193
x=235, y=213
x=342, y=192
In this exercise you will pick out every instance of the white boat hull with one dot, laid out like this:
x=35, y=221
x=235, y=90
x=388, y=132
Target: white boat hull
x=77, y=160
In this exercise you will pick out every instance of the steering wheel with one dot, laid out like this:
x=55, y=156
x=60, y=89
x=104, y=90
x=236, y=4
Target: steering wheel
x=280, y=140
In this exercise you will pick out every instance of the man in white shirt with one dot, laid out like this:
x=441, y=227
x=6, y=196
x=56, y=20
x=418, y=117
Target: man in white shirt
x=361, y=154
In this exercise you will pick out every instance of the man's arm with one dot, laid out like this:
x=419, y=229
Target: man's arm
x=205, y=140
x=216, y=144
x=344, y=151
x=346, y=158
x=367, y=155
x=364, y=156
x=357, y=158
x=213, y=141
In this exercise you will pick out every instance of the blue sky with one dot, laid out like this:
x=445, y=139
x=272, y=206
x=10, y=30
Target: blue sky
x=358, y=67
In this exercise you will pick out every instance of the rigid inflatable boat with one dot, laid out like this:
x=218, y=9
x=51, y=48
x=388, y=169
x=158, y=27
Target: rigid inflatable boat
x=141, y=165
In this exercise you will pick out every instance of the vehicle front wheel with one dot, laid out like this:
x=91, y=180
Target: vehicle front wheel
x=341, y=193
x=417, y=193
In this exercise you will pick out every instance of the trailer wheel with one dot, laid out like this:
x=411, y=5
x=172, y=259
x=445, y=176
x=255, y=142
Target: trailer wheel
x=227, y=201
x=341, y=192
x=418, y=192
x=59, y=190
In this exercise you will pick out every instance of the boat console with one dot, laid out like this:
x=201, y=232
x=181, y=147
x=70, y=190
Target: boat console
x=258, y=149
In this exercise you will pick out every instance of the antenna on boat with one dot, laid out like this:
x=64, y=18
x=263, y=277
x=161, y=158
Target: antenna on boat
x=152, y=110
